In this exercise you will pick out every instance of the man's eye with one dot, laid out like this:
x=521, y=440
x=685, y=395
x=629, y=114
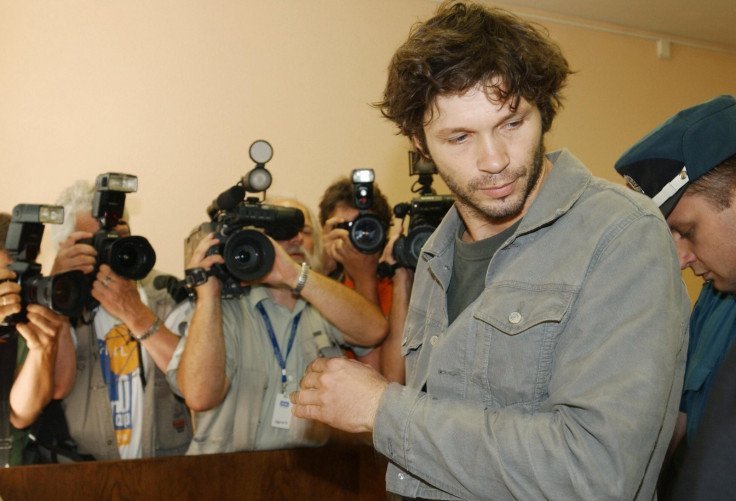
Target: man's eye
x=459, y=139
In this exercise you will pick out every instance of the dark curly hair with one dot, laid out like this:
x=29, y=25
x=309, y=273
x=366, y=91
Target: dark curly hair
x=462, y=46
x=341, y=192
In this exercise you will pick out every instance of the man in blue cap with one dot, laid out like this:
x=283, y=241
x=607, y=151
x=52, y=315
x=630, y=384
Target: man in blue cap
x=687, y=165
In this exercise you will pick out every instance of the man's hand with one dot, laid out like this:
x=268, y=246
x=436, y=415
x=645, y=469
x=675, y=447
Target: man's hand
x=285, y=270
x=200, y=259
x=9, y=294
x=339, y=248
x=120, y=297
x=75, y=256
x=340, y=392
x=43, y=327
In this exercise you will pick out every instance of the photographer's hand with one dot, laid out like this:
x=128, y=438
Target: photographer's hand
x=120, y=297
x=201, y=375
x=392, y=362
x=34, y=386
x=285, y=270
x=75, y=256
x=330, y=237
x=9, y=294
x=359, y=267
x=200, y=259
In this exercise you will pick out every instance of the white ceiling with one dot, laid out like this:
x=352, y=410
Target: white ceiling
x=710, y=22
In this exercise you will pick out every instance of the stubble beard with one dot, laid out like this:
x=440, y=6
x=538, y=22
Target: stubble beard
x=497, y=213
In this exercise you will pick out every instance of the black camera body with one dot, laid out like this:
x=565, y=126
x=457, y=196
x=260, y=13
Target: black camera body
x=130, y=257
x=65, y=293
x=239, y=226
x=367, y=232
x=426, y=212
x=248, y=253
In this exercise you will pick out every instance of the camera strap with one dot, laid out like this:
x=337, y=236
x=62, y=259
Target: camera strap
x=194, y=277
x=386, y=270
x=277, y=351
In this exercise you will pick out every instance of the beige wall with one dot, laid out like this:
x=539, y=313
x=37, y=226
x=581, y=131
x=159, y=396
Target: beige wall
x=176, y=91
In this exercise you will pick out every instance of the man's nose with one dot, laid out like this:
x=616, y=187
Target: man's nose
x=685, y=255
x=492, y=154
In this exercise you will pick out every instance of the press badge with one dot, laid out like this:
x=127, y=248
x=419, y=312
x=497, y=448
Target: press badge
x=281, y=412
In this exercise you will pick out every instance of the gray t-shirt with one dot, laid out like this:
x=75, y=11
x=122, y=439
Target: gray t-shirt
x=469, y=268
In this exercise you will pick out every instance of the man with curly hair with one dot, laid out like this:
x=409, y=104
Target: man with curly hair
x=546, y=335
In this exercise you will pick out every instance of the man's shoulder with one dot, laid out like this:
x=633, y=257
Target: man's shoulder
x=623, y=197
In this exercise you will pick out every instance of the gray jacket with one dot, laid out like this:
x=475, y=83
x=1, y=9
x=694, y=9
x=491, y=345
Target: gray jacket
x=167, y=427
x=562, y=379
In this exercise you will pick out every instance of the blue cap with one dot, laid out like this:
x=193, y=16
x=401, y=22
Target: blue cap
x=680, y=150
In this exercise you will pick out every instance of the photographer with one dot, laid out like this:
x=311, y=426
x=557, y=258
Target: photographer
x=242, y=356
x=37, y=377
x=345, y=263
x=120, y=406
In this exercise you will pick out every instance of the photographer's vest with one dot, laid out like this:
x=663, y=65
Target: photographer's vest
x=166, y=425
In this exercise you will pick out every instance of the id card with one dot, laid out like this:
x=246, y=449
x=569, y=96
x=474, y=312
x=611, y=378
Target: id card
x=281, y=412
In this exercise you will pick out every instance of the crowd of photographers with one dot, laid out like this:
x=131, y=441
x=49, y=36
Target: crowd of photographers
x=116, y=360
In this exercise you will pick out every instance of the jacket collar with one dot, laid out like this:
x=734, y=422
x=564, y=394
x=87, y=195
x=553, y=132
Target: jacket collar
x=562, y=187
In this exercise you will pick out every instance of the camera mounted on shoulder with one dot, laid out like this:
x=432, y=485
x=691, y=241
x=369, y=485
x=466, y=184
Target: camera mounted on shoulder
x=237, y=221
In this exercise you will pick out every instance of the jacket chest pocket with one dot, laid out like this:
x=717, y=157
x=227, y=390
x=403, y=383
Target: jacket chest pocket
x=518, y=326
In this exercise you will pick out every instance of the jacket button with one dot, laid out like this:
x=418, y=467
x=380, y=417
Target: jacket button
x=515, y=317
x=434, y=340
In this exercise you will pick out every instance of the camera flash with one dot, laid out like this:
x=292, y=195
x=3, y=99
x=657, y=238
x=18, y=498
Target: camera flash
x=53, y=214
x=126, y=183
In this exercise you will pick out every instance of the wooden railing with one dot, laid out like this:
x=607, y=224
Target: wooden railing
x=335, y=472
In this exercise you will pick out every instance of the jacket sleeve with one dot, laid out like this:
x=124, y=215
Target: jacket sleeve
x=611, y=402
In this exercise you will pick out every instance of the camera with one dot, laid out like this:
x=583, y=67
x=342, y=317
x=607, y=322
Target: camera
x=248, y=253
x=130, y=257
x=367, y=233
x=425, y=211
x=65, y=293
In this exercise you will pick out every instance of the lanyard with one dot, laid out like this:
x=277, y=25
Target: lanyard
x=279, y=358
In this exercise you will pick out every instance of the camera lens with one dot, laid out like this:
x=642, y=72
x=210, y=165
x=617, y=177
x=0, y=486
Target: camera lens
x=64, y=293
x=407, y=249
x=248, y=255
x=130, y=257
x=367, y=234
x=417, y=239
x=69, y=293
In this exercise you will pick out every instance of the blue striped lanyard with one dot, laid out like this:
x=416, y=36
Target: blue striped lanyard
x=279, y=358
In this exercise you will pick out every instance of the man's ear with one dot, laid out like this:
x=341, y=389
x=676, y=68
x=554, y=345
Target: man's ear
x=419, y=145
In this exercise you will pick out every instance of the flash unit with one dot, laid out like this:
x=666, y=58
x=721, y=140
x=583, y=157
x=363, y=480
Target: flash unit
x=31, y=213
x=113, y=181
x=363, y=176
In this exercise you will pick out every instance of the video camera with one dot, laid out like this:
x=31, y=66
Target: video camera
x=367, y=233
x=425, y=211
x=130, y=257
x=248, y=253
x=65, y=293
